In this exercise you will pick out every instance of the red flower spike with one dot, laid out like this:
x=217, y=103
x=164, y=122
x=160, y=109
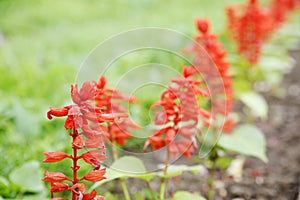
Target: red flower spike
x=54, y=177
x=54, y=156
x=57, y=198
x=58, y=112
x=59, y=187
x=95, y=176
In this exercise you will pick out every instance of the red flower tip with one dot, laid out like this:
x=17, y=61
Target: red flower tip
x=101, y=83
x=59, y=187
x=189, y=71
x=54, y=156
x=58, y=112
x=57, y=198
x=96, y=175
x=202, y=25
x=54, y=177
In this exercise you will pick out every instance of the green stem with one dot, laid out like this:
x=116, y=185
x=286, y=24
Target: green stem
x=210, y=182
x=164, y=178
x=213, y=157
x=121, y=180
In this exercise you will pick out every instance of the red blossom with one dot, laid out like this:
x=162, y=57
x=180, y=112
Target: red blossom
x=59, y=187
x=58, y=112
x=93, y=157
x=94, y=142
x=250, y=26
x=179, y=107
x=96, y=175
x=54, y=156
x=90, y=196
x=222, y=94
x=78, y=142
x=54, y=177
x=78, y=188
x=57, y=198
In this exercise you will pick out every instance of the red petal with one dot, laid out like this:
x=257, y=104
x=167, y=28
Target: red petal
x=75, y=94
x=54, y=177
x=59, y=187
x=87, y=91
x=90, y=196
x=95, y=142
x=95, y=176
x=58, y=112
x=54, y=156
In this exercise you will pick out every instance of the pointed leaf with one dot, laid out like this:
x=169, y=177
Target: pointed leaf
x=28, y=177
x=246, y=139
x=256, y=103
x=186, y=195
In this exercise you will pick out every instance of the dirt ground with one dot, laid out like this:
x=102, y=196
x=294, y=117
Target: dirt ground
x=280, y=178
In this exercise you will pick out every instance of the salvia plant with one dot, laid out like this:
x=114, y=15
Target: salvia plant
x=192, y=106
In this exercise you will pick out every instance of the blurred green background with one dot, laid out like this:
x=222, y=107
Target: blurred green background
x=42, y=44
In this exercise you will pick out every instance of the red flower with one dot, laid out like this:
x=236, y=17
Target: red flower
x=220, y=81
x=57, y=198
x=59, y=187
x=54, y=177
x=90, y=196
x=109, y=101
x=179, y=107
x=54, y=156
x=78, y=142
x=78, y=188
x=250, y=26
x=94, y=176
x=58, y=112
x=93, y=157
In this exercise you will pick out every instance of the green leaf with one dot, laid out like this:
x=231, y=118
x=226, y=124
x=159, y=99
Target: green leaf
x=256, y=103
x=186, y=195
x=28, y=177
x=245, y=139
x=127, y=166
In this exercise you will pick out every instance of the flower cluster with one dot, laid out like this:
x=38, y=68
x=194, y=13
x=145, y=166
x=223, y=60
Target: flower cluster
x=280, y=9
x=110, y=101
x=252, y=24
x=84, y=121
x=178, y=117
x=208, y=63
